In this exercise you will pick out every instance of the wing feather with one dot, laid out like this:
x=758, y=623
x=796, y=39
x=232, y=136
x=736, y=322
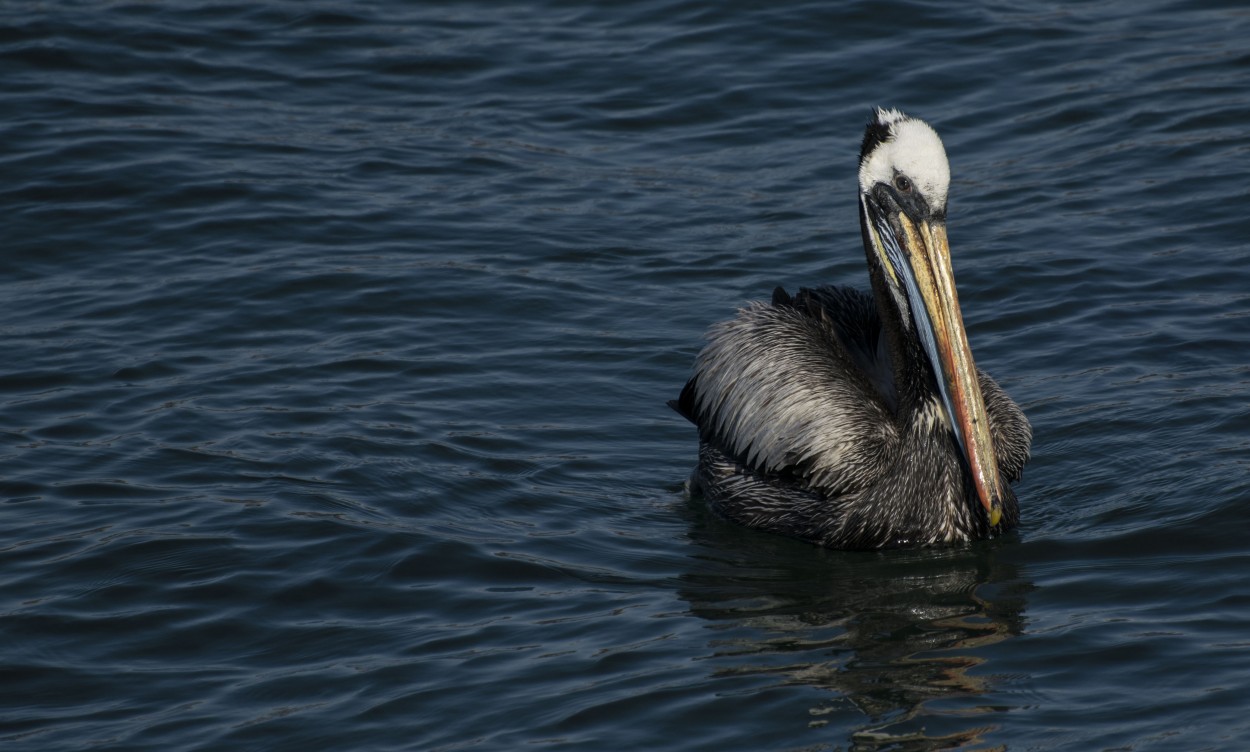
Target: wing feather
x=783, y=388
x=1009, y=428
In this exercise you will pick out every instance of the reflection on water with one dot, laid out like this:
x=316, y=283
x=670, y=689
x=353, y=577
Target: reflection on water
x=894, y=635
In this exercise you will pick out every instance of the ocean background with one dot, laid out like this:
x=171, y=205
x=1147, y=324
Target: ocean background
x=338, y=338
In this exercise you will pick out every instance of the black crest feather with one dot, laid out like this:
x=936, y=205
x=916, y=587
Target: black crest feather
x=875, y=134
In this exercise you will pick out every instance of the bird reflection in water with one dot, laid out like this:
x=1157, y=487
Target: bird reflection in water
x=899, y=638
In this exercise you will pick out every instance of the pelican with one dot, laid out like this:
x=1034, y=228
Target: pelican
x=859, y=421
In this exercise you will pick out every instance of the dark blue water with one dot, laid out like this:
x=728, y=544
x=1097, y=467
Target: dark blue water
x=337, y=339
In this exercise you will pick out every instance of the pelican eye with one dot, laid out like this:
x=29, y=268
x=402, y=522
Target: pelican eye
x=902, y=184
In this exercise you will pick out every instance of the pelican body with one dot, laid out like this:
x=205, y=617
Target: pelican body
x=860, y=421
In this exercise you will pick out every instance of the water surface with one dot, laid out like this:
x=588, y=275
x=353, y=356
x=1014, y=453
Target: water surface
x=339, y=338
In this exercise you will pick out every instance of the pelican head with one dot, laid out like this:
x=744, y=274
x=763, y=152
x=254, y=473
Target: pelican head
x=903, y=182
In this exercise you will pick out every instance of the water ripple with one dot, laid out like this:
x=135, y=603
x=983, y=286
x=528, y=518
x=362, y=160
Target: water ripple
x=339, y=339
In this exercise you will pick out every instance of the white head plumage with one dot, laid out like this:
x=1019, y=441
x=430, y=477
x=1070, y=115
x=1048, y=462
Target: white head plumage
x=913, y=149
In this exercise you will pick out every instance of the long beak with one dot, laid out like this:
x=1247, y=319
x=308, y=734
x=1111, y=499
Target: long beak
x=928, y=257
